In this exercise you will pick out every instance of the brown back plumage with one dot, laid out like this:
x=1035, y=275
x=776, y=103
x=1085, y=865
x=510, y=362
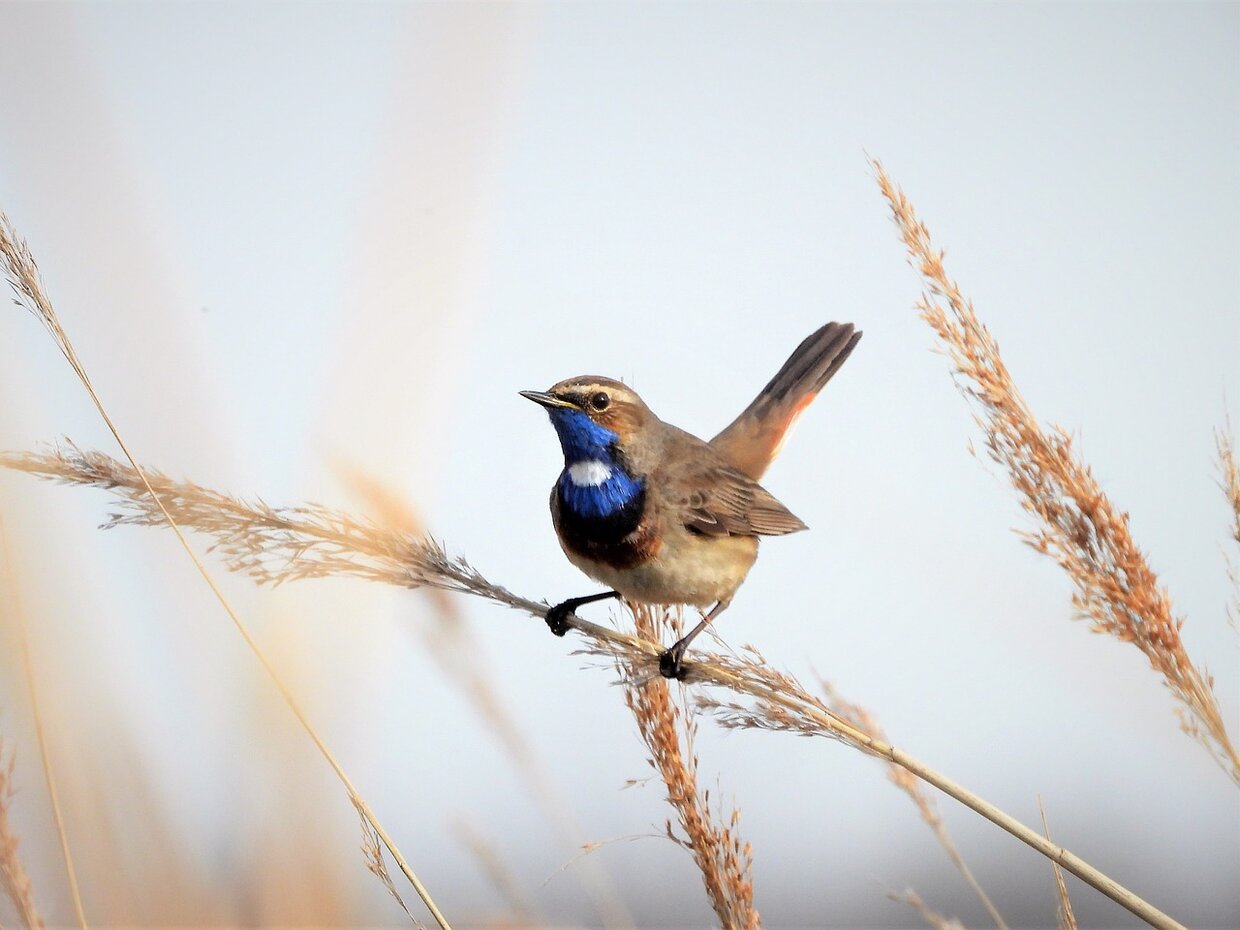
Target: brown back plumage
x=753, y=439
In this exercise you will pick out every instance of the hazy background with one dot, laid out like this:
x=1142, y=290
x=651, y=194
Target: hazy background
x=289, y=240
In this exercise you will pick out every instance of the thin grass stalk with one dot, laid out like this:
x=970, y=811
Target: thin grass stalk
x=724, y=860
x=1077, y=525
x=272, y=545
x=14, y=880
x=40, y=730
x=23, y=276
x=1067, y=918
x=863, y=720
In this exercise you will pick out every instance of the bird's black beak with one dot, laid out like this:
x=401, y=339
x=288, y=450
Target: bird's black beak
x=548, y=400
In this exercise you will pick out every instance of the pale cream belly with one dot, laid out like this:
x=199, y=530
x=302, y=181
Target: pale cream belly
x=689, y=569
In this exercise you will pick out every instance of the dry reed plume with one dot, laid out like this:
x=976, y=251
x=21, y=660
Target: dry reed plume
x=13, y=878
x=271, y=545
x=22, y=273
x=667, y=729
x=1077, y=526
x=903, y=779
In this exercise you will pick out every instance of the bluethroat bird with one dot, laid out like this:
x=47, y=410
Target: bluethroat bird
x=658, y=515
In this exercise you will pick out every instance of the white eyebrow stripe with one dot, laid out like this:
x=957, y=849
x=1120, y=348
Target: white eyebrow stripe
x=589, y=474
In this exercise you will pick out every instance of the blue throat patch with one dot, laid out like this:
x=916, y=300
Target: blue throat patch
x=584, y=441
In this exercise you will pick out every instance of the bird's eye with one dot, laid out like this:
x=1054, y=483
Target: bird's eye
x=600, y=401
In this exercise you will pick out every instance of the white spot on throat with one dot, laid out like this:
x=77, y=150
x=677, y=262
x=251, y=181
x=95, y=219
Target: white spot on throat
x=589, y=474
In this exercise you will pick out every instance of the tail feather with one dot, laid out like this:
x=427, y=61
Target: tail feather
x=754, y=438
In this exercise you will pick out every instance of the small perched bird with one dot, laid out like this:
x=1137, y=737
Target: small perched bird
x=660, y=516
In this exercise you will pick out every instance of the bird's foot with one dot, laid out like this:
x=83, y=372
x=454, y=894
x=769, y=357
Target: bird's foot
x=557, y=617
x=671, y=662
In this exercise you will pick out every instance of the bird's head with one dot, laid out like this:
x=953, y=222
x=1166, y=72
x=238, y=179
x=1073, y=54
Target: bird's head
x=593, y=416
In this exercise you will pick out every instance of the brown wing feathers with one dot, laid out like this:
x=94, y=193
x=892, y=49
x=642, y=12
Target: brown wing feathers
x=718, y=500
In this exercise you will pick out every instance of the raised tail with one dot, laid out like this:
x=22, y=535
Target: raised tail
x=753, y=439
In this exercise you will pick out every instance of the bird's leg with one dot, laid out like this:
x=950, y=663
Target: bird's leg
x=557, y=616
x=670, y=660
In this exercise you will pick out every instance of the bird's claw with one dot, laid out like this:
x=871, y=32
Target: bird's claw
x=671, y=662
x=557, y=618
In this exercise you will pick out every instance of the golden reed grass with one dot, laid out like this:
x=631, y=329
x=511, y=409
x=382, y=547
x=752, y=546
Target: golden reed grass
x=22, y=273
x=903, y=779
x=277, y=544
x=723, y=858
x=13, y=878
x=1114, y=587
